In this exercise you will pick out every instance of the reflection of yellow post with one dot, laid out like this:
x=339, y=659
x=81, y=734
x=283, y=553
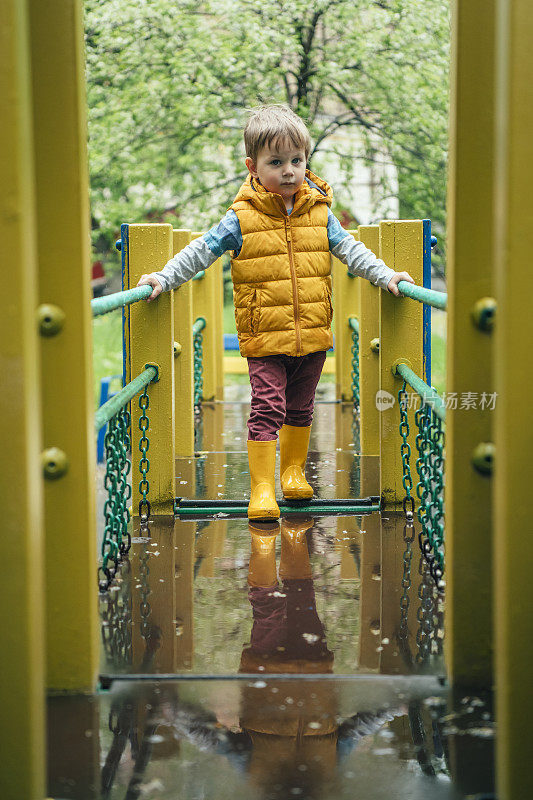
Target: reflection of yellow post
x=348, y=529
x=346, y=304
x=62, y=194
x=21, y=546
x=392, y=570
x=370, y=593
x=152, y=341
x=184, y=360
x=73, y=747
x=204, y=300
x=400, y=339
x=184, y=595
x=513, y=423
x=153, y=599
x=369, y=351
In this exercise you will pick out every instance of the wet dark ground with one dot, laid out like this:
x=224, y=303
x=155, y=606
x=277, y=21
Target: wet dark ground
x=299, y=660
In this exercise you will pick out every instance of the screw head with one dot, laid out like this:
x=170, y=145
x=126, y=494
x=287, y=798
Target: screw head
x=51, y=319
x=55, y=463
x=483, y=458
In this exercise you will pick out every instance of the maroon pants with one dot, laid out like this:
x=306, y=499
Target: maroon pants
x=283, y=392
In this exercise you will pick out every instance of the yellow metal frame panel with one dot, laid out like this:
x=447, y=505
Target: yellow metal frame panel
x=513, y=542
x=468, y=501
x=346, y=303
x=62, y=202
x=22, y=742
x=400, y=245
x=369, y=358
x=152, y=341
x=184, y=362
x=218, y=285
x=204, y=298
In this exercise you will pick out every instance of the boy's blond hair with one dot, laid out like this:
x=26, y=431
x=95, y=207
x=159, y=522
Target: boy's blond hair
x=274, y=123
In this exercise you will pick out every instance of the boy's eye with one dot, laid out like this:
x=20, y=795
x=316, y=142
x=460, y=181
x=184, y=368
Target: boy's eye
x=296, y=160
x=275, y=162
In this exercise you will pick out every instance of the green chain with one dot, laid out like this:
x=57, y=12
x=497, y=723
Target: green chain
x=198, y=369
x=144, y=463
x=116, y=539
x=429, y=490
x=355, y=367
x=405, y=450
x=430, y=442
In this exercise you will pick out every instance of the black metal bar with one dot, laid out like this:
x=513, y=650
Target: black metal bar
x=182, y=503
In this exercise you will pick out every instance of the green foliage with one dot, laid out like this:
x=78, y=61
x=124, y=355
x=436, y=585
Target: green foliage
x=170, y=82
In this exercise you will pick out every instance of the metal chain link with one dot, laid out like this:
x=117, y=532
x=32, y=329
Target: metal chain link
x=144, y=463
x=424, y=614
x=405, y=449
x=429, y=490
x=405, y=600
x=116, y=540
x=116, y=618
x=198, y=370
x=144, y=606
x=355, y=367
x=429, y=442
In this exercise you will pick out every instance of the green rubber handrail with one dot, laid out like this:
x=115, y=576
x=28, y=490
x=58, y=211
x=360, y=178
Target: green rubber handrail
x=353, y=322
x=110, y=302
x=428, y=296
x=119, y=400
x=199, y=275
x=428, y=395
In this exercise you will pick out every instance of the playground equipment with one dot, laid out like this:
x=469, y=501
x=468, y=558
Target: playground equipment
x=49, y=542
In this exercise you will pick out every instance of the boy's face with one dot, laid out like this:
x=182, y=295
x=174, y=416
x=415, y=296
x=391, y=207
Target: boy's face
x=280, y=167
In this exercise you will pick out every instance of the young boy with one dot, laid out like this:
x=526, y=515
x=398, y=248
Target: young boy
x=281, y=232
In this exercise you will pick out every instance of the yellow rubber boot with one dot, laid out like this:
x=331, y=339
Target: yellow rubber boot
x=262, y=462
x=294, y=562
x=262, y=568
x=293, y=446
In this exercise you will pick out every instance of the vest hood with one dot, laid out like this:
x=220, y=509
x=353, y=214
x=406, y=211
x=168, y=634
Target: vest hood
x=313, y=190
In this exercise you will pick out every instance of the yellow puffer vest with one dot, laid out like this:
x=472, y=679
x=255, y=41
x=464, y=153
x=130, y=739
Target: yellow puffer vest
x=282, y=275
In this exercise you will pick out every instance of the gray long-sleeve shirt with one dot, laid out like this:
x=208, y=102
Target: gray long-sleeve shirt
x=204, y=251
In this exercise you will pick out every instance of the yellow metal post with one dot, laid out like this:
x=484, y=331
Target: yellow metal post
x=204, y=305
x=400, y=337
x=218, y=280
x=369, y=351
x=152, y=342
x=62, y=196
x=184, y=360
x=468, y=503
x=21, y=544
x=513, y=543
x=346, y=291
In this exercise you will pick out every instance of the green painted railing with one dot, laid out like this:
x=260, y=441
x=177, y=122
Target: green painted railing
x=119, y=400
x=428, y=296
x=110, y=302
x=428, y=395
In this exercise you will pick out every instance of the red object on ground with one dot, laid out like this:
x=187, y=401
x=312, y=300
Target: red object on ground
x=98, y=278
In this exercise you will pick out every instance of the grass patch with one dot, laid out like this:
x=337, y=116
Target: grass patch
x=438, y=363
x=107, y=349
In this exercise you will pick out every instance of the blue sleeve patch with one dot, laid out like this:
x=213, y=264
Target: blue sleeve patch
x=336, y=232
x=225, y=236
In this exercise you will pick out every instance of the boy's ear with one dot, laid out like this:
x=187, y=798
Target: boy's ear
x=251, y=167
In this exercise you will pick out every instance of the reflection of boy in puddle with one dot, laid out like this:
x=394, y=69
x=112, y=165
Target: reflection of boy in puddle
x=287, y=635
x=290, y=736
